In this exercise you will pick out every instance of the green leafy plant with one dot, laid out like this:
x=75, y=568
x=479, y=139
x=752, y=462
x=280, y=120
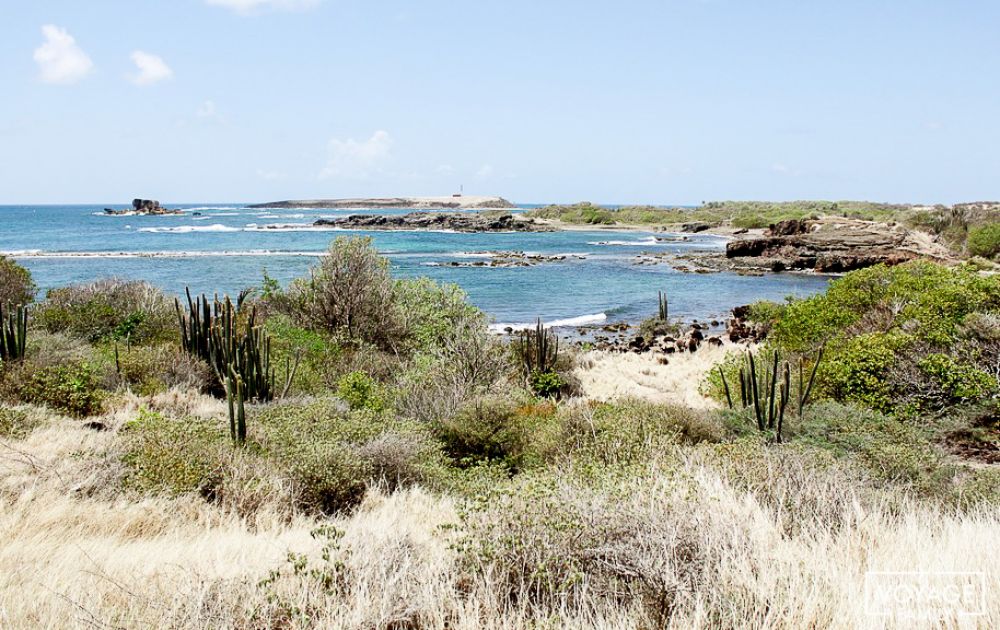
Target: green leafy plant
x=984, y=240
x=360, y=391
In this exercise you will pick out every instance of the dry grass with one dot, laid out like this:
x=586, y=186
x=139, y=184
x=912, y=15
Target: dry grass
x=683, y=542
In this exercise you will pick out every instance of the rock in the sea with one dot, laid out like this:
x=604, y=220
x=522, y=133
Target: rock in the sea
x=454, y=221
x=144, y=206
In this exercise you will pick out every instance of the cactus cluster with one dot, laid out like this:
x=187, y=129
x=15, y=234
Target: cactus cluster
x=13, y=333
x=220, y=334
x=537, y=349
x=769, y=390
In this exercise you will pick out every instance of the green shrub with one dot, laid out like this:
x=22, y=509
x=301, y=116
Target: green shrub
x=546, y=384
x=959, y=381
x=152, y=369
x=860, y=371
x=15, y=423
x=129, y=311
x=984, y=240
x=891, y=450
x=174, y=455
x=433, y=314
x=350, y=291
x=319, y=356
x=322, y=456
x=74, y=389
x=16, y=285
x=485, y=430
x=360, y=391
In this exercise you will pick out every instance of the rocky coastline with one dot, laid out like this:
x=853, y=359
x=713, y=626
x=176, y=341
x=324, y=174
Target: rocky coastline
x=451, y=221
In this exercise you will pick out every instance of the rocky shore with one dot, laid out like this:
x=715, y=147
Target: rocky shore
x=422, y=203
x=451, y=221
x=833, y=245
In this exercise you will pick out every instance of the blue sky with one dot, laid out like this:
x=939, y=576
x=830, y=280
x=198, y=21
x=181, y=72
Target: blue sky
x=672, y=101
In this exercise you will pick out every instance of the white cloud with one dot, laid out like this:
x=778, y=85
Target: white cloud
x=247, y=7
x=353, y=159
x=486, y=170
x=152, y=68
x=445, y=169
x=60, y=60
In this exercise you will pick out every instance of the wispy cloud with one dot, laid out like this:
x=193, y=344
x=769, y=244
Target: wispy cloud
x=249, y=7
x=486, y=170
x=152, y=68
x=353, y=159
x=270, y=176
x=60, y=59
x=207, y=110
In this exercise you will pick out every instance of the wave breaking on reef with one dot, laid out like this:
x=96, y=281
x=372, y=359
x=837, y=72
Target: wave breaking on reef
x=569, y=322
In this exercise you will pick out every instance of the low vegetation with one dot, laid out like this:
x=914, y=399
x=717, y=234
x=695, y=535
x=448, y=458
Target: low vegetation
x=410, y=470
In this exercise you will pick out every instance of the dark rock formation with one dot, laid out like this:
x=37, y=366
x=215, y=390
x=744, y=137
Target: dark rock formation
x=456, y=221
x=144, y=206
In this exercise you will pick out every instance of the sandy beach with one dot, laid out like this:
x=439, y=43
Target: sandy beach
x=609, y=376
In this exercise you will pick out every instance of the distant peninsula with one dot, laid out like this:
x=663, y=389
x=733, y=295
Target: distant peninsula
x=449, y=202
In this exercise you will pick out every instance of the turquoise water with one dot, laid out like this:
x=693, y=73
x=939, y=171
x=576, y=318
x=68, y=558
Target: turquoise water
x=228, y=247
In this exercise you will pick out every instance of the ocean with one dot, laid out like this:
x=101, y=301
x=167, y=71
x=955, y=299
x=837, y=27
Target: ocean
x=223, y=248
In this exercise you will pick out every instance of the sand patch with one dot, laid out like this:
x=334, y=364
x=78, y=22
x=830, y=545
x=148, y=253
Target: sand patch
x=611, y=375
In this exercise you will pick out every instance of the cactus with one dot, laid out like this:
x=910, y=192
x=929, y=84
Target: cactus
x=538, y=350
x=13, y=333
x=235, y=397
x=776, y=386
x=664, y=306
x=213, y=332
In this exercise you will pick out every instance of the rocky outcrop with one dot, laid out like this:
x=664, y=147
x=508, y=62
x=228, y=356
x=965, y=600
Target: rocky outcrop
x=453, y=221
x=508, y=259
x=144, y=206
x=429, y=203
x=833, y=245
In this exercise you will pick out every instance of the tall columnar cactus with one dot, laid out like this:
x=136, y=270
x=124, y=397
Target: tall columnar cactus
x=664, y=306
x=769, y=392
x=13, y=333
x=235, y=397
x=218, y=333
x=538, y=349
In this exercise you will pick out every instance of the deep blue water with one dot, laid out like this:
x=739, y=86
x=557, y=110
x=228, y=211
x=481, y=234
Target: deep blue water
x=229, y=246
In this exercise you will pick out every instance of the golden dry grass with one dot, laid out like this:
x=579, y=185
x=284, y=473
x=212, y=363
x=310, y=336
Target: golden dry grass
x=74, y=554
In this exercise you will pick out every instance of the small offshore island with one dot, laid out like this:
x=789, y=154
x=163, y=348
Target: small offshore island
x=421, y=203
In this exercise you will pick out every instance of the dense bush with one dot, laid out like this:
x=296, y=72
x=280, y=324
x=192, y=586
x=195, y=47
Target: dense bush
x=893, y=451
x=351, y=294
x=60, y=372
x=360, y=391
x=130, y=311
x=152, y=369
x=15, y=423
x=349, y=291
x=984, y=240
x=72, y=388
x=892, y=332
x=323, y=455
x=16, y=285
